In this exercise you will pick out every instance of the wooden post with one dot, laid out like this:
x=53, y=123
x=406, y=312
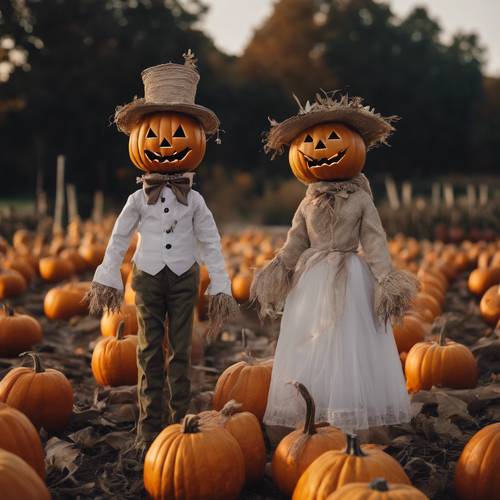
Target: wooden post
x=449, y=195
x=407, y=194
x=98, y=209
x=483, y=195
x=72, y=202
x=436, y=194
x=57, y=228
x=392, y=193
x=471, y=196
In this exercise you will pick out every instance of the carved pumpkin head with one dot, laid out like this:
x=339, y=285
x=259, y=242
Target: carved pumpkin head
x=327, y=151
x=167, y=142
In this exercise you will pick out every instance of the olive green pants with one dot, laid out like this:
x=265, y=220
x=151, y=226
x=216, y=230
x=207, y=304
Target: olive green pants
x=159, y=297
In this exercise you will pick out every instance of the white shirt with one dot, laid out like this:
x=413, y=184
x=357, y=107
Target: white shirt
x=171, y=234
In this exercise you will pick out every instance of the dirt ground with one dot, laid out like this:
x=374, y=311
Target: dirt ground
x=90, y=459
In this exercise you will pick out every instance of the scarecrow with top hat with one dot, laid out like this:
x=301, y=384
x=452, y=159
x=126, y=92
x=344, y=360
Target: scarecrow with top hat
x=333, y=278
x=176, y=231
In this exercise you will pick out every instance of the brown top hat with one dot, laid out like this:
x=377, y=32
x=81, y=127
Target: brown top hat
x=168, y=87
x=331, y=107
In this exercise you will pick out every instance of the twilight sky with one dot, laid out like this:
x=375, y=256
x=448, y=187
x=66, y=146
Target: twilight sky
x=231, y=22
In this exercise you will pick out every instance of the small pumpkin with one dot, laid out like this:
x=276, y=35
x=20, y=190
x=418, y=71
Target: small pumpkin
x=12, y=283
x=44, y=396
x=19, y=481
x=54, y=268
x=240, y=287
x=111, y=320
x=18, y=332
x=297, y=450
x=443, y=363
x=423, y=301
x=245, y=428
x=65, y=301
x=248, y=383
x=92, y=253
x=378, y=489
x=408, y=333
x=490, y=305
x=476, y=473
x=114, y=360
x=167, y=142
x=192, y=460
x=19, y=436
x=334, y=469
x=21, y=264
x=483, y=278
x=327, y=151
x=71, y=254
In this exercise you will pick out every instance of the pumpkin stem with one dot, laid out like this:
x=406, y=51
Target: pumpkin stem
x=37, y=363
x=442, y=337
x=379, y=484
x=120, y=330
x=353, y=447
x=230, y=408
x=309, y=427
x=191, y=424
x=8, y=310
x=244, y=341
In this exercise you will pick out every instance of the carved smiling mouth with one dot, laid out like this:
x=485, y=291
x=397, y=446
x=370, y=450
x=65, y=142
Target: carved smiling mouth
x=152, y=156
x=324, y=162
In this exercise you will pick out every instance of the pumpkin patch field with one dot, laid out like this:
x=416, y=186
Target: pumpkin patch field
x=68, y=403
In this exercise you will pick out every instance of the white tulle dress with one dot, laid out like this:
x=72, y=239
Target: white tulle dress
x=332, y=341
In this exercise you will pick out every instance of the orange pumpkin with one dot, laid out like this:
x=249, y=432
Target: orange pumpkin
x=356, y=464
x=378, y=489
x=409, y=332
x=65, y=301
x=20, y=481
x=44, y=396
x=92, y=253
x=423, y=301
x=490, y=305
x=19, y=436
x=12, y=283
x=129, y=293
x=55, y=268
x=245, y=428
x=442, y=363
x=111, y=320
x=327, y=151
x=193, y=460
x=75, y=258
x=18, y=332
x=240, y=287
x=297, y=450
x=246, y=382
x=476, y=474
x=114, y=360
x=167, y=142
x=483, y=278
x=22, y=265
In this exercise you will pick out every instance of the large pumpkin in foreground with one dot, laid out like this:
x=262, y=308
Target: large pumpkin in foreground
x=334, y=469
x=325, y=152
x=19, y=481
x=167, y=142
x=476, y=474
x=193, y=461
x=19, y=436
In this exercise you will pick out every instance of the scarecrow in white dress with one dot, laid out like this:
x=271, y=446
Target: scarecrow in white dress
x=333, y=278
x=176, y=231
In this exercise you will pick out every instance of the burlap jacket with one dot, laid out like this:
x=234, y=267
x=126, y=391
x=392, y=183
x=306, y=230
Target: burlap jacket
x=334, y=219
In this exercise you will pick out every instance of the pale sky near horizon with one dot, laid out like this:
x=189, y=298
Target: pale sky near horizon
x=231, y=22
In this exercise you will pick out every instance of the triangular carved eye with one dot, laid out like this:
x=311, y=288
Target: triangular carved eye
x=179, y=132
x=151, y=134
x=308, y=138
x=333, y=135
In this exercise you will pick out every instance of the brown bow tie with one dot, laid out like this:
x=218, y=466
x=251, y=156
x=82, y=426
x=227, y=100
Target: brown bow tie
x=180, y=184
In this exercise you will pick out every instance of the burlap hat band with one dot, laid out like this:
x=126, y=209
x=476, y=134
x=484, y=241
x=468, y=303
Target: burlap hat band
x=170, y=86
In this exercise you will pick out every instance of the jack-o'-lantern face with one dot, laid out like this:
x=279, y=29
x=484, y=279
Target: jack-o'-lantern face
x=326, y=152
x=167, y=142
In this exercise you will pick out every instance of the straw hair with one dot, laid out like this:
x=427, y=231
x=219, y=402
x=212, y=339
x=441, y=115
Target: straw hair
x=168, y=87
x=330, y=107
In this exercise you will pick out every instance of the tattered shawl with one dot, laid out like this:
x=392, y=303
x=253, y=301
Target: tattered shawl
x=334, y=219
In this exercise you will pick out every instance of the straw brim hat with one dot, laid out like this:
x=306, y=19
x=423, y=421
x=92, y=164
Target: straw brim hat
x=373, y=128
x=168, y=87
x=127, y=116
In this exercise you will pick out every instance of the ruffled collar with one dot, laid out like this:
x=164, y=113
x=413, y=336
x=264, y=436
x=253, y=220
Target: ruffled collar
x=342, y=188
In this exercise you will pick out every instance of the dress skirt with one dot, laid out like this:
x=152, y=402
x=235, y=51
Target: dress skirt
x=349, y=364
